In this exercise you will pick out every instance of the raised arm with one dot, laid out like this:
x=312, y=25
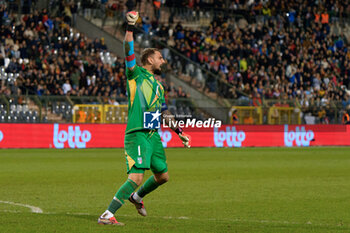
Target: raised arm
x=130, y=60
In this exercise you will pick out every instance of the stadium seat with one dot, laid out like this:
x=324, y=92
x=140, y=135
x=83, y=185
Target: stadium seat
x=33, y=119
x=55, y=108
x=25, y=107
x=19, y=107
x=22, y=116
x=45, y=120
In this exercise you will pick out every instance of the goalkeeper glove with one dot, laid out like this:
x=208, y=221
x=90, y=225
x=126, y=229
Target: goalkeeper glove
x=131, y=17
x=185, y=138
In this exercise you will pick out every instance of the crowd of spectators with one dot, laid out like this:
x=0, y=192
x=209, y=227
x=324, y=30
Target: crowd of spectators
x=292, y=51
x=297, y=54
x=43, y=55
x=191, y=9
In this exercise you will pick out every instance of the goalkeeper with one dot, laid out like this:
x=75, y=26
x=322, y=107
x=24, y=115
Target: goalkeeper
x=143, y=146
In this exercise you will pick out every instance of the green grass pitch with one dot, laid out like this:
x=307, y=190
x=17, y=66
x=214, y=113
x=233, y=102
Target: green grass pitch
x=210, y=190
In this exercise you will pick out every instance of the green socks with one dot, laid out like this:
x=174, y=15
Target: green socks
x=127, y=189
x=123, y=193
x=148, y=187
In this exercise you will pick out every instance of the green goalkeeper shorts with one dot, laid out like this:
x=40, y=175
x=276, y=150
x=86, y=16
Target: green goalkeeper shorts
x=144, y=150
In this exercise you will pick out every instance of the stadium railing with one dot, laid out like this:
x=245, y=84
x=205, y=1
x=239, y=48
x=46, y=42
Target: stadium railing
x=94, y=109
x=248, y=115
x=273, y=111
x=79, y=109
x=98, y=113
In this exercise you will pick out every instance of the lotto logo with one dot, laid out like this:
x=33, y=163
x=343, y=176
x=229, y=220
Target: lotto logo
x=300, y=136
x=75, y=137
x=151, y=120
x=231, y=136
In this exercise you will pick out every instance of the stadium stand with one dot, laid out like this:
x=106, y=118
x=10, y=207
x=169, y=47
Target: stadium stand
x=250, y=53
x=44, y=56
x=284, y=51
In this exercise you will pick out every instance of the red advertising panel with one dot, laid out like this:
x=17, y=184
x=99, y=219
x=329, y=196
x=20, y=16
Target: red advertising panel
x=281, y=135
x=61, y=135
x=112, y=136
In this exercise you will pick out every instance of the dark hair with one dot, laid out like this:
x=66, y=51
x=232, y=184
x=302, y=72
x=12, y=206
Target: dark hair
x=146, y=53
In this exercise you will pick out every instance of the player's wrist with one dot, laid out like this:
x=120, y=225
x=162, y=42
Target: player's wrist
x=179, y=131
x=130, y=27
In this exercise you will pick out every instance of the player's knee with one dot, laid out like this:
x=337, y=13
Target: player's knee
x=162, y=178
x=166, y=179
x=137, y=178
x=138, y=181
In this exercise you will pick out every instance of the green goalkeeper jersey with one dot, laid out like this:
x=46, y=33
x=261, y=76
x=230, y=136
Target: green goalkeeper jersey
x=145, y=94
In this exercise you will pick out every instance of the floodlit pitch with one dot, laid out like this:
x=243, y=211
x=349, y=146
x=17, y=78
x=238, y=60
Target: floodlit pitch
x=210, y=190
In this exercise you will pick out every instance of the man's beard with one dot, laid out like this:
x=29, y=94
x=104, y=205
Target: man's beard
x=157, y=71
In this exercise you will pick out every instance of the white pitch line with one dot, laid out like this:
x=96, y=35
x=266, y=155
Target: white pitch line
x=34, y=209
